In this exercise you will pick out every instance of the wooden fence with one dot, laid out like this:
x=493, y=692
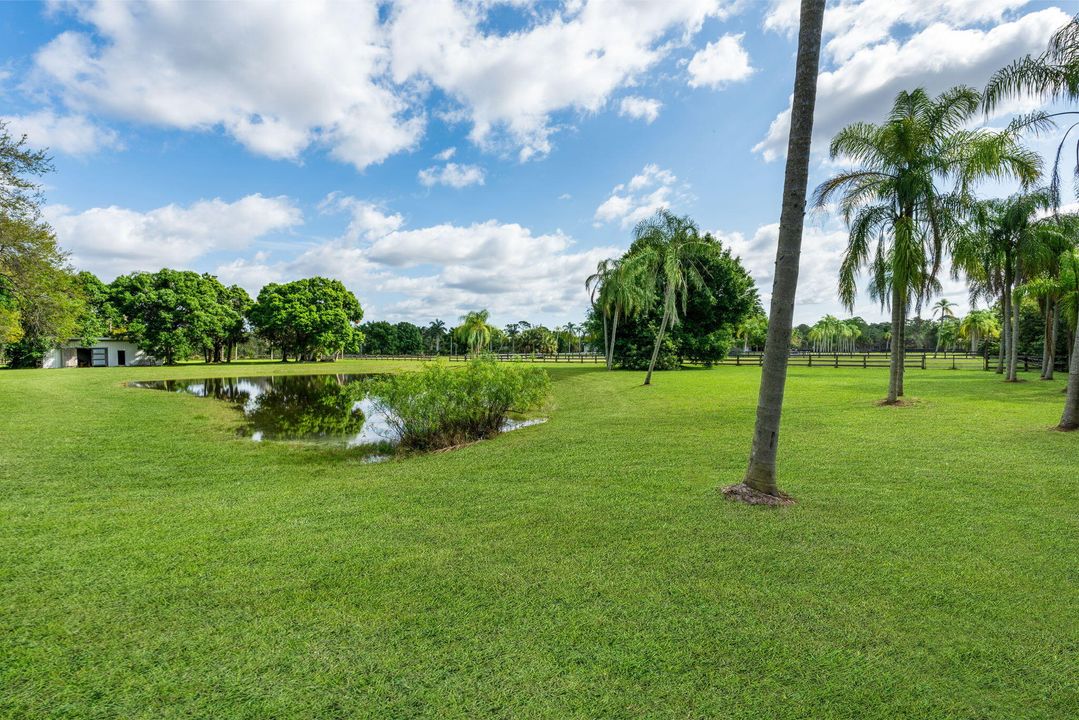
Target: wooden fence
x=920, y=360
x=501, y=357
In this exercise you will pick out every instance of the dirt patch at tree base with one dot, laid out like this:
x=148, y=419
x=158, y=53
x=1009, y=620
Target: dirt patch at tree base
x=744, y=494
x=897, y=403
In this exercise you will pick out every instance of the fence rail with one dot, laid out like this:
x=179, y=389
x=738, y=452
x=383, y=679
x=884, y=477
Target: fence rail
x=502, y=357
x=923, y=360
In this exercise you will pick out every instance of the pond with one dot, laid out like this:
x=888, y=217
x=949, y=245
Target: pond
x=306, y=408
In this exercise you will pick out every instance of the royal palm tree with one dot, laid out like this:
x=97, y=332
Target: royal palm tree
x=760, y=477
x=437, y=329
x=512, y=331
x=670, y=246
x=474, y=331
x=900, y=220
x=945, y=308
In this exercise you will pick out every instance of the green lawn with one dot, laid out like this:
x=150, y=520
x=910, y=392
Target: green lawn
x=154, y=565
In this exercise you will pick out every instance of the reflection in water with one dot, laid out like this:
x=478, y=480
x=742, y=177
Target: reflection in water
x=317, y=408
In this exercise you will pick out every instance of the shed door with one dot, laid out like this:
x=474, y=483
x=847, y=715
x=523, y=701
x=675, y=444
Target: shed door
x=99, y=357
x=121, y=357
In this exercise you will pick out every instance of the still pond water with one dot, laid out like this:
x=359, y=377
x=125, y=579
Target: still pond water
x=311, y=408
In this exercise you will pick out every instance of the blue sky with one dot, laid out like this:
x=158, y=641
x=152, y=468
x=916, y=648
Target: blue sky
x=439, y=157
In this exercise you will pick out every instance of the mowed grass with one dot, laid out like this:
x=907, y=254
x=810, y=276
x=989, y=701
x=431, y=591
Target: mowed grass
x=155, y=565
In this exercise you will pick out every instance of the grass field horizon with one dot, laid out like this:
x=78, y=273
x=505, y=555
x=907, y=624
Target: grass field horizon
x=155, y=564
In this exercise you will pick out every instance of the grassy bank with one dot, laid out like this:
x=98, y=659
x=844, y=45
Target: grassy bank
x=153, y=564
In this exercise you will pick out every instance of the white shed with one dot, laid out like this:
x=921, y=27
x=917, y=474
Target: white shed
x=104, y=353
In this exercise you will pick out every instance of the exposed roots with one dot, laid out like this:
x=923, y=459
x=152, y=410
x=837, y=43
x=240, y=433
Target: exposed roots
x=744, y=494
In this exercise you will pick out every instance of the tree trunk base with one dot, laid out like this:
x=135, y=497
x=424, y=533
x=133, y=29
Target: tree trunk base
x=898, y=402
x=744, y=494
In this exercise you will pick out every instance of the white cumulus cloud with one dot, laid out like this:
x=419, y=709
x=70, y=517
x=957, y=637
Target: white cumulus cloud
x=112, y=240
x=70, y=134
x=640, y=108
x=649, y=190
x=863, y=84
x=720, y=63
x=453, y=175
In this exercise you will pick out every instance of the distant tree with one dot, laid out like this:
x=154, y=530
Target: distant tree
x=537, y=339
x=307, y=319
x=437, y=331
x=942, y=309
x=708, y=321
x=409, y=339
x=379, y=338
x=474, y=331
x=168, y=314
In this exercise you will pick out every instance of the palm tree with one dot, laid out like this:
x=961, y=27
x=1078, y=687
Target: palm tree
x=625, y=292
x=1009, y=244
x=670, y=247
x=760, y=477
x=945, y=308
x=594, y=285
x=1069, y=302
x=1054, y=76
x=437, y=329
x=900, y=222
x=978, y=325
x=474, y=330
x=512, y=331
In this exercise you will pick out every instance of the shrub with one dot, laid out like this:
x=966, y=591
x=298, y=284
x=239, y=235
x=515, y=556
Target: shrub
x=441, y=406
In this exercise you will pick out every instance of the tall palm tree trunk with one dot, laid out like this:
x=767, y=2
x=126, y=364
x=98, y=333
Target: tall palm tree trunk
x=1004, y=339
x=1013, y=342
x=1051, y=354
x=668, y=301
x=902, y=369
x=761, y=473
x=895, y=365
x=1070, y=419
x=614, y=333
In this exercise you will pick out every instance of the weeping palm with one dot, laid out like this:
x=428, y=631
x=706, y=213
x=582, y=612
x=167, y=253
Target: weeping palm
x=474, y=331
x=900, y=221
x=625, y=293
x=669, y=247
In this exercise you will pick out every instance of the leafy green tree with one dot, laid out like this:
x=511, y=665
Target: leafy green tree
x=409, y=339
x=707, y=322
x=20, y=194
x=170, y=314
x=379, y=338
x=901, y=223
x=308, y=319
x=537, y=339
x=41, y=303
x=670, y=247
x=979, y=325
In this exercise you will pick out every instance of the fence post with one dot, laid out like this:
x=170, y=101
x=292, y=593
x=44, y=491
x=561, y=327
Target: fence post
x=923, y=361
x=810, y=359
x=837, y=359
x=865, y=361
